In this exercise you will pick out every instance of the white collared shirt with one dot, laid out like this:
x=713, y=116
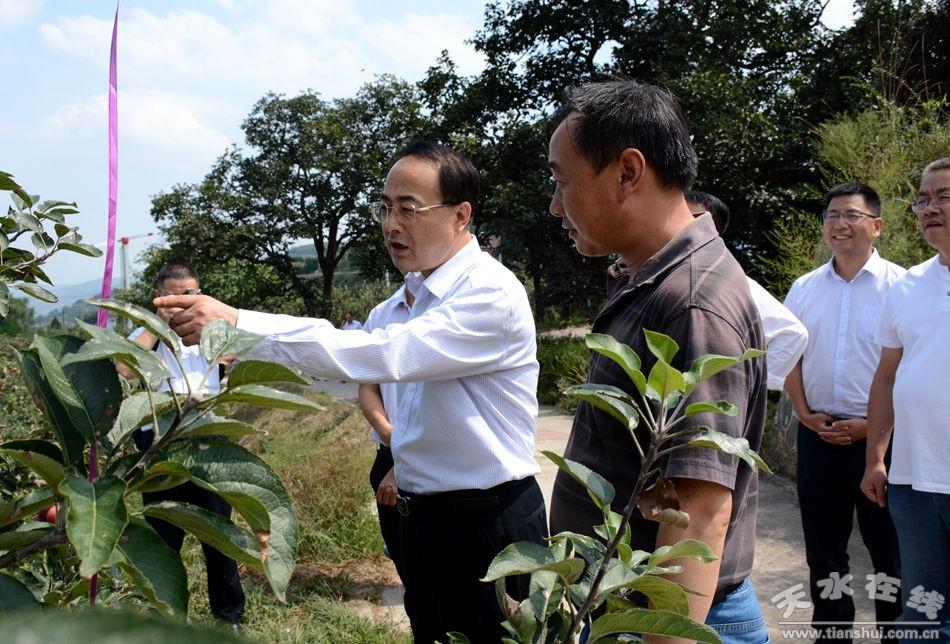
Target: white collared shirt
x=466, y=367
x=785, y=336
x=916, y=318
x=202, y=379
x=394, y=310
x=842, y=319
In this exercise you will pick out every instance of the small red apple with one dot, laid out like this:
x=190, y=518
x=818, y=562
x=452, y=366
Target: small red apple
x=47, y=514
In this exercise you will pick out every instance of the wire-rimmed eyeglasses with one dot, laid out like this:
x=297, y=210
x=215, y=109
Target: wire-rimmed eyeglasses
x=382, y=210
x=850, y=216
x=940, y=201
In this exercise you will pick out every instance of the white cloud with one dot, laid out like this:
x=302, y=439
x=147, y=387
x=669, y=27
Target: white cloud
x=159, y=120
x=14, y=12
x=285, y=46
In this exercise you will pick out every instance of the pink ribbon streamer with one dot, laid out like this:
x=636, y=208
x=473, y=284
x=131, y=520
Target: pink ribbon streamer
x=103, y=317
x=113, y=169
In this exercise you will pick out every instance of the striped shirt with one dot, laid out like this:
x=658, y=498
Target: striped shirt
x=466, y=367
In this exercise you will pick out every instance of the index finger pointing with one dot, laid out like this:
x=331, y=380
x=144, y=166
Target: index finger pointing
x=180, y=301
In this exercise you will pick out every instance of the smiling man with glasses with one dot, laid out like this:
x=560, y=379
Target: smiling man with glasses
x=464, y=362
x=840, y=304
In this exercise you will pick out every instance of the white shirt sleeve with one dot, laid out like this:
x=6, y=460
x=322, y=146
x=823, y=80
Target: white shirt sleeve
x=466, y=335
x=785, y=336
x=886, y=331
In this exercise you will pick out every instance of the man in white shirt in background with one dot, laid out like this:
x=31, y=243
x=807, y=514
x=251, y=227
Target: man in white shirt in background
x=785, y=336
x=378, y=402
x=910, y=394
x=840, y=304
x=224, y=583
x=349, y=324
x=467, y=373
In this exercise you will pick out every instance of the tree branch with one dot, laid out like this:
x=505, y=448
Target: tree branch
x=54, y=538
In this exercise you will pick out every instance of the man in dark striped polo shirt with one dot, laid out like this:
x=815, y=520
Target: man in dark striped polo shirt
x=621, y=159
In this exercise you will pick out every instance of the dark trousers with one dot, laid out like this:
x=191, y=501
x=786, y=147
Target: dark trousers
x=224, y=583
x=829, y=478
x=448, y=540
x=388, y=514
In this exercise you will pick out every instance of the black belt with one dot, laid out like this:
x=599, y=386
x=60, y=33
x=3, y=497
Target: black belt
x=457, y=502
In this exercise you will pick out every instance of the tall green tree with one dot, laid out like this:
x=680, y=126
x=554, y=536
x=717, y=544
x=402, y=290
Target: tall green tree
x=309, y=171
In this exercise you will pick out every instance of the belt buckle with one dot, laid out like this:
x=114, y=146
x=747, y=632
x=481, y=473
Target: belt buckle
x=402, y=505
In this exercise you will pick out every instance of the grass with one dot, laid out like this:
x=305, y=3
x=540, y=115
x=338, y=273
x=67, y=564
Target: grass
x=19, y=417
x=563, y=363
x=324, y=461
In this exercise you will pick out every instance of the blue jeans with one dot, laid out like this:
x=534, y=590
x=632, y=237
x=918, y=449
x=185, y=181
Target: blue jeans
x=922, y=520
x=738, y=618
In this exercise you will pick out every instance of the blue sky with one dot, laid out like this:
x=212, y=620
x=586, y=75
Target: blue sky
x=189, y=72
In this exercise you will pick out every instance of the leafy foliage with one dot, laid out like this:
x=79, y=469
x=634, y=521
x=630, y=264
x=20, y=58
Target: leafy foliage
x=76, y=387
x=885, y=147
x=577, y=574
x=28, y=218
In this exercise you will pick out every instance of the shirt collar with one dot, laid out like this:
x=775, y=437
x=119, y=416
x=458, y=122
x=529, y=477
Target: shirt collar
x=696, y=234
x=442, y=278
x=875, y=265
x=401, y=294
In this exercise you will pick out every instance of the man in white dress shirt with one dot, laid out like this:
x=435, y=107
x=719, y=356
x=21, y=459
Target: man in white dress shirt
x=464, y=435
x=910, y=395
x=350, y=324
x=785, y=336
x=225, y=594
x=840, y=305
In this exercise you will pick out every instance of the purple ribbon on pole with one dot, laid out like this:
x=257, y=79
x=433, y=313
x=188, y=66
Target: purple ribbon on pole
x=103, y=318
x=113, y=169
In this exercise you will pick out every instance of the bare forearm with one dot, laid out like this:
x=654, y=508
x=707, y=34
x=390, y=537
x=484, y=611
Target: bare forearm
x=795, y=389
x=709, y=506
x=371, y=404
x=880, y=417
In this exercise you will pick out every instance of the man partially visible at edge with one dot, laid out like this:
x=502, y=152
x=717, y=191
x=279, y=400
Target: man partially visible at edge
x=621, y=159
x=910, y=395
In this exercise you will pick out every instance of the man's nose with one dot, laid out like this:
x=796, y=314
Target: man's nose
x=556, y=208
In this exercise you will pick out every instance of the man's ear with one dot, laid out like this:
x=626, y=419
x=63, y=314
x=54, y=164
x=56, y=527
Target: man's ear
x=632, y=166
x=878, y=226
x=463, y=214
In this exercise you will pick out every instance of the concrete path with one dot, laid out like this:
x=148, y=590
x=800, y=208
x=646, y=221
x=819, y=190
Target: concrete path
x=779, y=547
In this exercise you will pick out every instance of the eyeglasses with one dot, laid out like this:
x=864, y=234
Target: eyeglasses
x=850, y=216
x=187, y=291
x=381, y=210
x=921, y=205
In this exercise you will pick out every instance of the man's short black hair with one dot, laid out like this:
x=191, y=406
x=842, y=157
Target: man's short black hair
x=174, y=271
x=871, y=197
x=620, y=114
x=458, y=177
x=715, y=206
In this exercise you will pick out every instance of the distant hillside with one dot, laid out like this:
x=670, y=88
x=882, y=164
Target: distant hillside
x=68, y=294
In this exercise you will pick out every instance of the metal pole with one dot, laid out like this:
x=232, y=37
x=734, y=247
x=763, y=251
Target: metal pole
x=125, y=264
